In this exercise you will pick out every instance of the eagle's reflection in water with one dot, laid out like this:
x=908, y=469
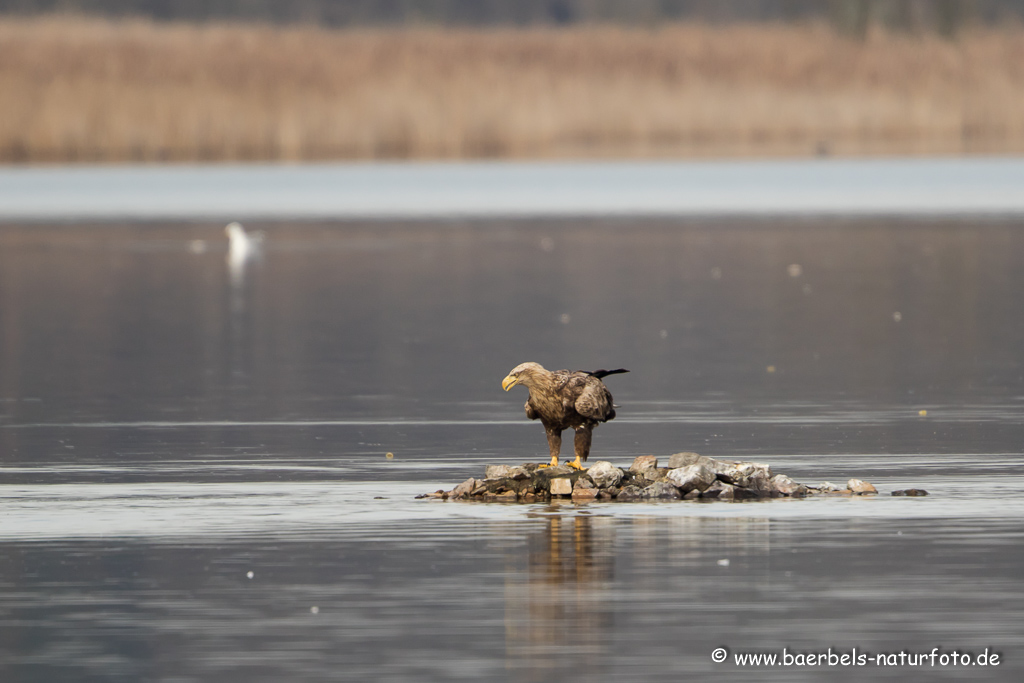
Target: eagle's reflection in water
x=582, y=600
x=557, y=612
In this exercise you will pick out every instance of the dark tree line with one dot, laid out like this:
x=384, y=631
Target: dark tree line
x=946, y=17
x=851, y=16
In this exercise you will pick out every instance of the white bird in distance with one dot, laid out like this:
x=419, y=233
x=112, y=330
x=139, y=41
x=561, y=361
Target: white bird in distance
x=242, y=248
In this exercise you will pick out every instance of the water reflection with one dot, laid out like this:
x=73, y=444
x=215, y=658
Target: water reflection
x=245, y=250
x=649, y=598
x=567, y=593
x=557, y=611
x=564, y=602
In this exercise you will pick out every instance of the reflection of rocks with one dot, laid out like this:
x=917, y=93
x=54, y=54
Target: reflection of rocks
x=557, y=614
x=689, y=476
x=568, y=577
x=910, y=492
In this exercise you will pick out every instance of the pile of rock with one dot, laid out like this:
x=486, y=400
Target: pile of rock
x=688, y=476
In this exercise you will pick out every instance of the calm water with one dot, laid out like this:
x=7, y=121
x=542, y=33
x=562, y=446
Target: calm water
x=975, y=186
x=169, y=425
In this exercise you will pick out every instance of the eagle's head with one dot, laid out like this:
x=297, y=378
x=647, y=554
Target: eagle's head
x=522, y=374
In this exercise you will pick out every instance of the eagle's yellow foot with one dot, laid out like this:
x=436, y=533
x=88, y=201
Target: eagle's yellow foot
x=575, y=464
x=554, y=462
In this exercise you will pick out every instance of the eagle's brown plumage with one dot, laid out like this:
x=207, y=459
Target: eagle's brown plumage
x=565, y=400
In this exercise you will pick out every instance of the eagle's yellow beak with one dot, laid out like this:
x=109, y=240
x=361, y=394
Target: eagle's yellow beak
x=509, y=382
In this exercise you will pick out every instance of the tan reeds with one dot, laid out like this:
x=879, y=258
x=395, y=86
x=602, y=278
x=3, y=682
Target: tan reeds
x=74, y=89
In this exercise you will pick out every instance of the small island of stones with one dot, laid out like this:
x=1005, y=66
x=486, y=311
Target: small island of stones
x=688, y=476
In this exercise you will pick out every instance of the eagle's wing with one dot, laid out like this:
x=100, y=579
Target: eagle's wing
x=531, y=412
x=595, y=402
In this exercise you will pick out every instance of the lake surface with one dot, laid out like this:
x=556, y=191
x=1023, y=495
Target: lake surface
x=194, y=486
x=908, y=187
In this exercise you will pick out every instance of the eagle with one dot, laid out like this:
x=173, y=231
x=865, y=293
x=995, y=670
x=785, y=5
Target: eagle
x=562, y=400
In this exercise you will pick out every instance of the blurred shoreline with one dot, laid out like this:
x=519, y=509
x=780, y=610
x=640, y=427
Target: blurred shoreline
x=98, y=91
x=988, y=186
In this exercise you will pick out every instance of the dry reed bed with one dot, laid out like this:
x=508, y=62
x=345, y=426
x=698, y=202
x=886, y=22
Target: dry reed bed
x=79, y=89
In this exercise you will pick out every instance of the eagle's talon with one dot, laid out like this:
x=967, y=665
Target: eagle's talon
x=554, y=463
x=576, y=464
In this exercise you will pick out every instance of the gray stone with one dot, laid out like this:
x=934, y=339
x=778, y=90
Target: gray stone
x=677, y=460
x=910, y=492
x=662, y=490
x=630, y=493
x=518, y=473
x=552, y=472
x=830, y=489
x=835, y=491
x=499, y=485
x=605, y=474
x=561, y=486
x=786, y=486
x=584, y=495
x=749, y=493
x=659, y=473
x=643, y=463
x=641, y=479
x=497, y=471
x=718, y=489
x=860, y=487
x=464, y=489
x=584, y=482
x=760, y=479
x=697, y=476
x=750, y=474
x=729, y=473
x=728, y=492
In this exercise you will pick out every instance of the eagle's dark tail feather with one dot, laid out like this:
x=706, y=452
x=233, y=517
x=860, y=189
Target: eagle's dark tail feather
x=604, y=373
